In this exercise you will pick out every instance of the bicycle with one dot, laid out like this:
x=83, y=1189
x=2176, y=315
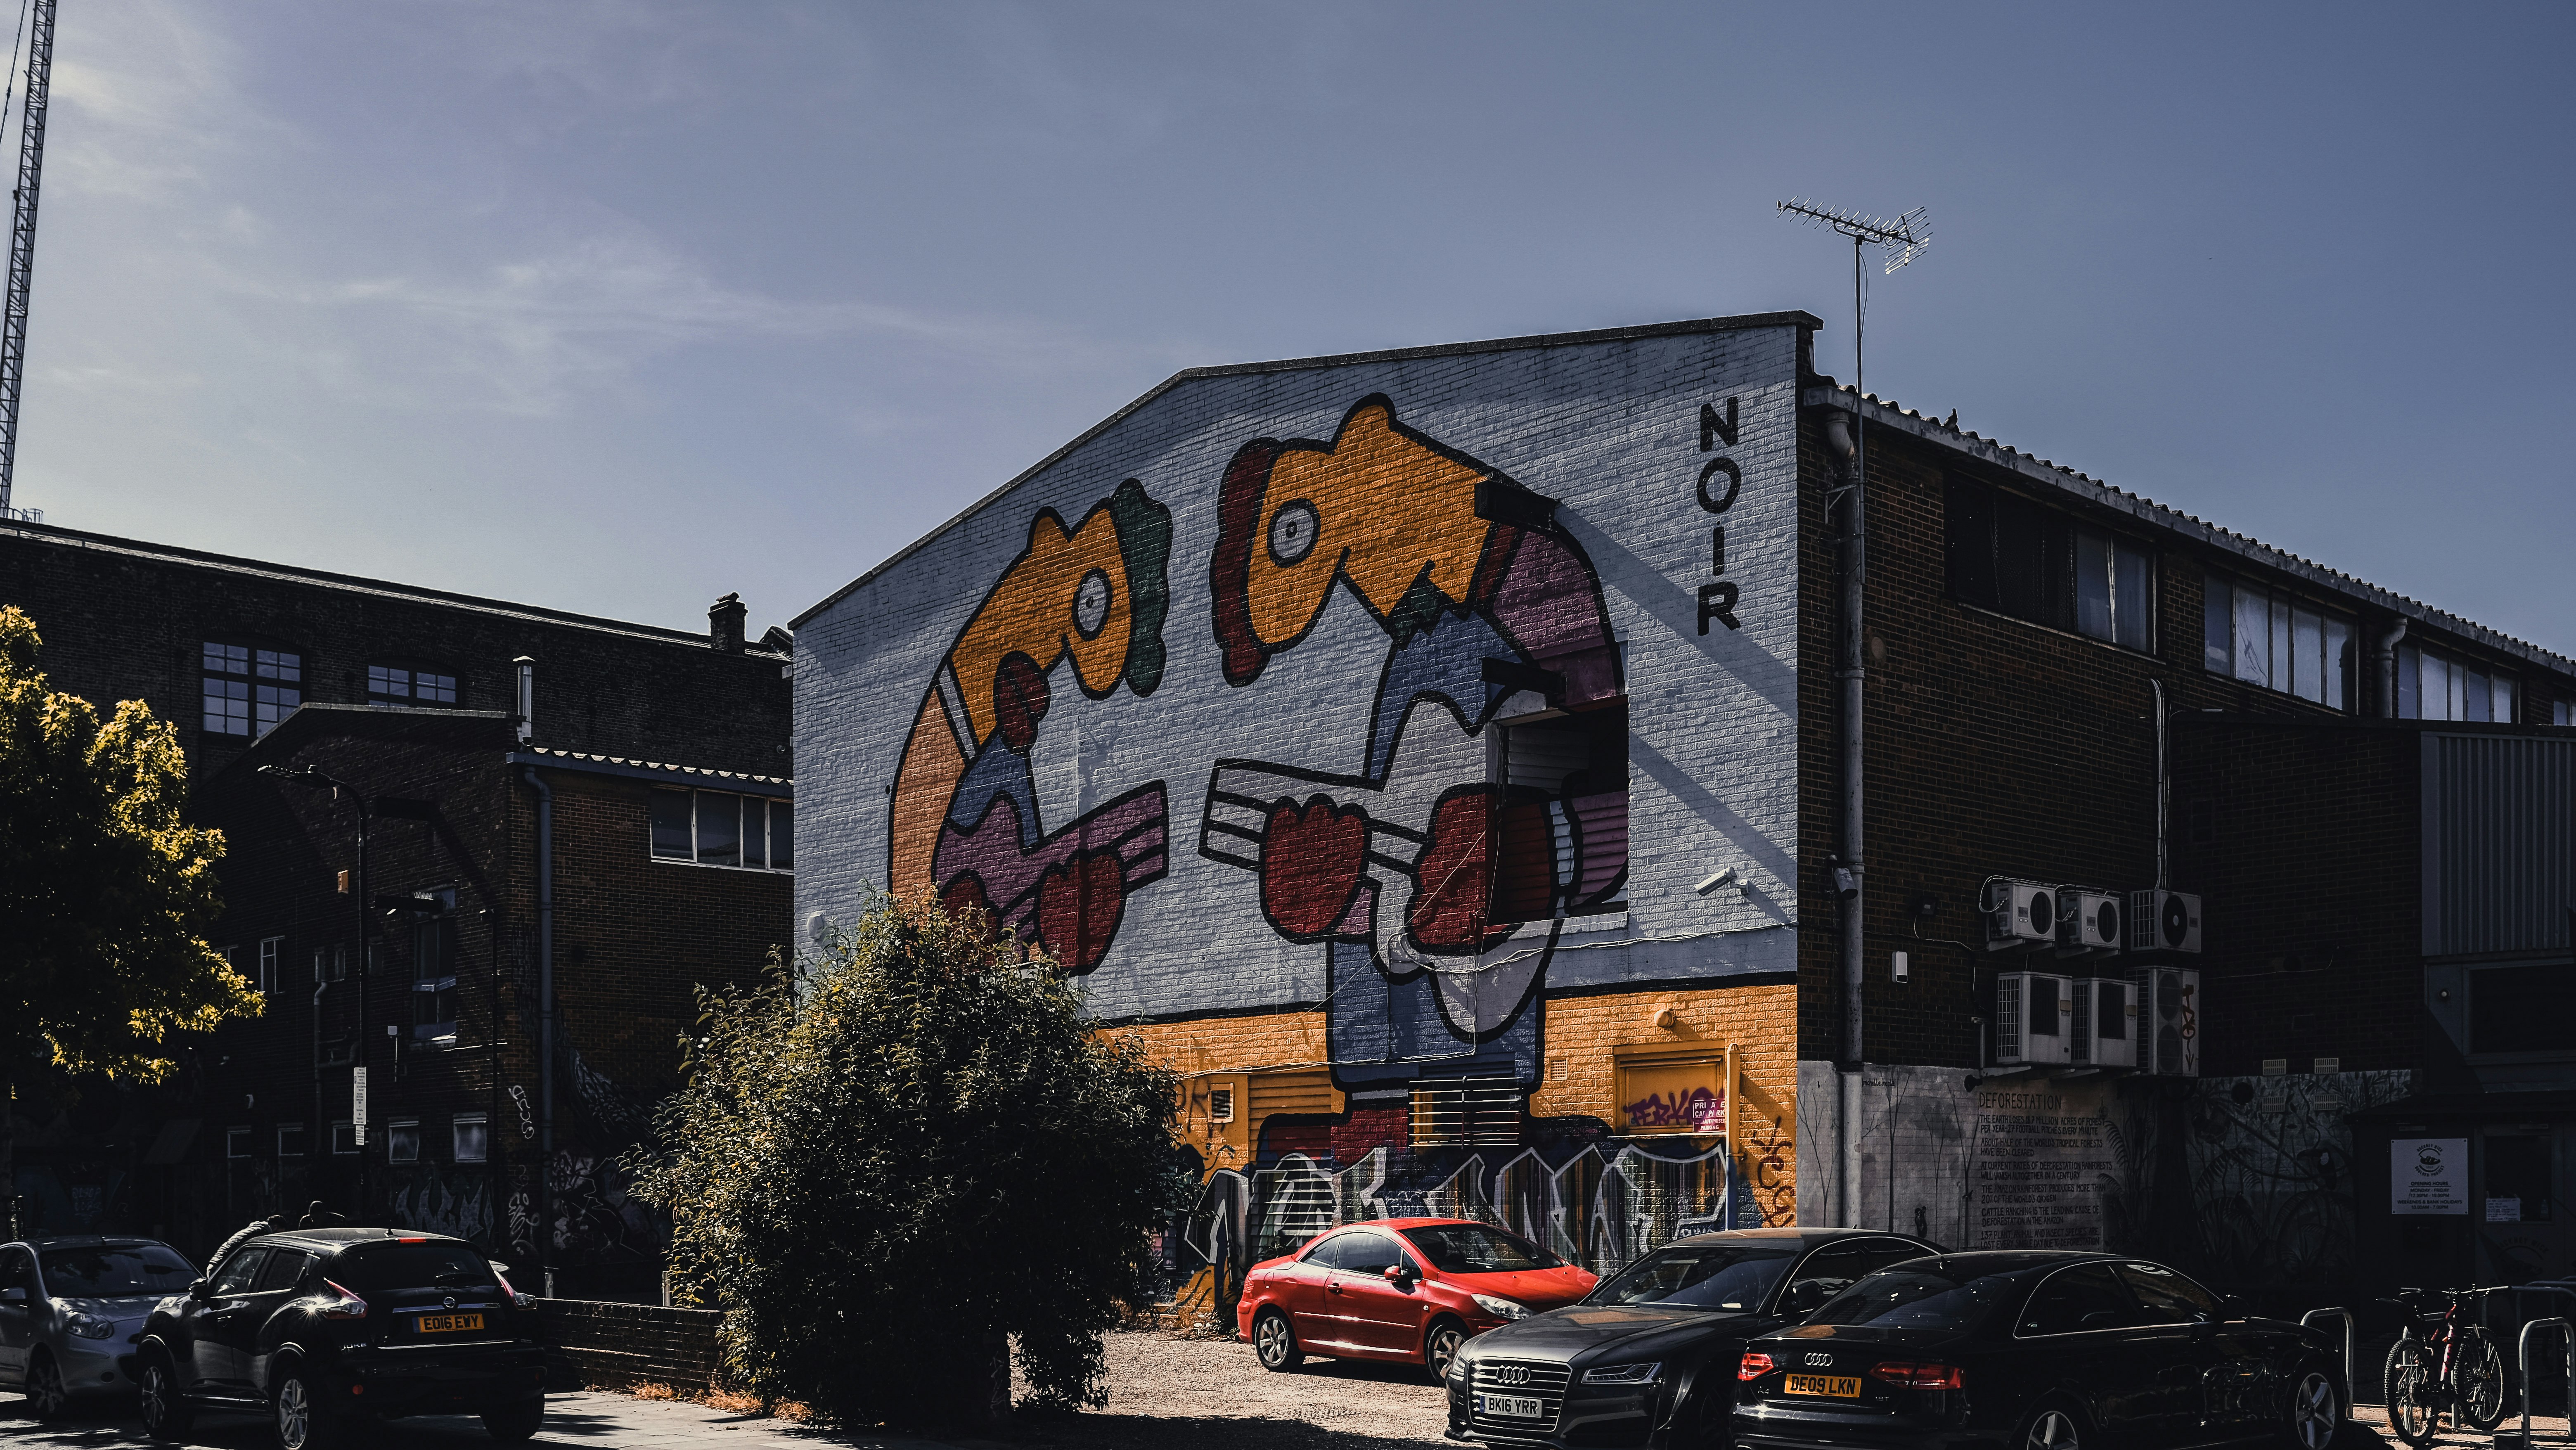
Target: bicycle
x=2454, y=1366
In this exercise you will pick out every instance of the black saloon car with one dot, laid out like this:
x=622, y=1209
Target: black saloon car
x=322, y=1329
x=1648, y=1357
x=2036, y=1351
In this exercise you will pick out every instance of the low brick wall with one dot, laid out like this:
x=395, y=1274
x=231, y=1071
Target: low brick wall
x=611, y=1346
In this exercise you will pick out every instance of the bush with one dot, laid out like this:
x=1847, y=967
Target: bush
x=886, y=1169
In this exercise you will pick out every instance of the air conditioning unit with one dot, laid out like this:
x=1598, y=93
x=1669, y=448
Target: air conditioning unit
x=2033, y=1019
x=2164, y=921
x=2019, y=914
x=2106, y=1023
x=2088, y=921
x=2169, y=1021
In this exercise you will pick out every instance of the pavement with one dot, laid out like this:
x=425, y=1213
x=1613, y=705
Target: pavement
x=587, y=1420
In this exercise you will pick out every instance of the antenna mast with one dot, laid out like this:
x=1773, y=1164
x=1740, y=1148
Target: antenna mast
x=22, y=239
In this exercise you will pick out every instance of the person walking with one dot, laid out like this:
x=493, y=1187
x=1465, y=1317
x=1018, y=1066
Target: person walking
x=251, y=1230
x=319, y=1215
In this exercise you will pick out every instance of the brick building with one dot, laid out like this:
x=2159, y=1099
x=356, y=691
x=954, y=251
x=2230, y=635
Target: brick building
x=1439, y=755
x=623, y=836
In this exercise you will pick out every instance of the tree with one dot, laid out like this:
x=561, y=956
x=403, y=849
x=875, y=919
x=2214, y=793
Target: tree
x=105, y=893
x=885, y=1170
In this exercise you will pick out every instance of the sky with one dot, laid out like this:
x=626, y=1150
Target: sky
x=618, y=307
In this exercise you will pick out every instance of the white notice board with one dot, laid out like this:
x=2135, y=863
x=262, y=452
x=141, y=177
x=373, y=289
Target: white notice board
x=2428, y=1175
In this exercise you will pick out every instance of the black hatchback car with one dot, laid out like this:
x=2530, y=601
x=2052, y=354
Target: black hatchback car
x=1648, y=1358
x=321, y=1329
x=2036, y=1351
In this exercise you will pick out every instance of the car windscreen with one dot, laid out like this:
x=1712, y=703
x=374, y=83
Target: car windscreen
x=1465, y=1248
x=407, y=1266
x=1699, y=1276
x=1909, y=1298
x=114, y=1270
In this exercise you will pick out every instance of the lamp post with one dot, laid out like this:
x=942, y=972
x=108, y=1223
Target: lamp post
x=311, y=776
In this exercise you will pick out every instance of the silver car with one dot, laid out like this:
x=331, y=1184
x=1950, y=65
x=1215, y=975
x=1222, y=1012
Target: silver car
x=70, y=1309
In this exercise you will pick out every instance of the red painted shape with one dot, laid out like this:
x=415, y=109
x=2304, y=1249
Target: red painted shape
x=1079, y=904
x=1311, y=859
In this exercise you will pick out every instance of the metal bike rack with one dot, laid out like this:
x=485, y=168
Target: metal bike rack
x=2349, y=1392
x=2522, y=1352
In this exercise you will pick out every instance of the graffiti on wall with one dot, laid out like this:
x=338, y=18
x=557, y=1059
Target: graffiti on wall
x=1404, y=858
x=965, y=825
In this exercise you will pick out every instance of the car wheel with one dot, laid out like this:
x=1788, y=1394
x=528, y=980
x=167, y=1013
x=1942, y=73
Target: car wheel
x=2051, y=1427
x=1274, y=1343
x=1441, y=1346
x=46, y=1396
x=2316, y=1411
x=297, y=1411
x=514, y=1422
x=165, y=1414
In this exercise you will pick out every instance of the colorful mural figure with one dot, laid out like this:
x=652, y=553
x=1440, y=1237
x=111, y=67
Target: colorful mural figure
x=1417, y=865
x=965, y=823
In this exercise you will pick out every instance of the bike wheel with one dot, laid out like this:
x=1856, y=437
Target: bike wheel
x=2408, y=1384
x=2477, y=1377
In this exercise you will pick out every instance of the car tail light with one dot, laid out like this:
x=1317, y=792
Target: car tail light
x=1924, y=1376
x=1755, y=1365
x=347, y=1306
x=517, y=1299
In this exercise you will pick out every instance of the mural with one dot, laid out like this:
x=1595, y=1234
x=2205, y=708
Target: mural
x=1405, y=858
x=965, y=822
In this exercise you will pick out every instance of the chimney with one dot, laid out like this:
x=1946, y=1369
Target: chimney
x=527, y=697
x=725, y=624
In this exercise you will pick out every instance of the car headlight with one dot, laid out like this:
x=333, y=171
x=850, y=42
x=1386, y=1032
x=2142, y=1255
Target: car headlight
x=1501, y=1308
x=88, y=1325
x=1622, y=1374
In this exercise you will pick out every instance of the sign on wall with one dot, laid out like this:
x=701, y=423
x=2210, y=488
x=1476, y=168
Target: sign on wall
x=358, y=1104
x=2428, y=1175
x=2040, y=1164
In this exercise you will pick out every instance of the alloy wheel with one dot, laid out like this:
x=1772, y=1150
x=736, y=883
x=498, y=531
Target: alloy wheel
x=1270, y=1339
x=155, y=1396
x=46, y=1396
x=2051, y=1430
x=1442, y=1349
x=2313, y=1412
x=294, y=1415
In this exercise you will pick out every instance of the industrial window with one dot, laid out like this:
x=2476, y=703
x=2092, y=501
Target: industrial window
x=2264, y=637
x=409, y=685
x=472, y=1138
x=1467, y=1112
x=333, y=966
x=290, y=1140
x=402, y=1140
x=2010, y=555
x=249, y=689
x=2434, y=686
x=237, y=1142
x=269, y=950
x=344, y=1137
x=1560, y=844
x=2562, y=713
x=433, y=977
x=718, y=828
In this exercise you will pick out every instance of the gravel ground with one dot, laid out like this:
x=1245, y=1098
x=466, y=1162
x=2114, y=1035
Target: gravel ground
x=1167, y=1391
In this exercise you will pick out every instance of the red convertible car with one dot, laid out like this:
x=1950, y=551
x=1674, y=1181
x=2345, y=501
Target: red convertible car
x=1410, y=1289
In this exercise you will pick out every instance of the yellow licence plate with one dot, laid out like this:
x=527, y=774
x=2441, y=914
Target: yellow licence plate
x=450, y=1323
x=1840, y=1386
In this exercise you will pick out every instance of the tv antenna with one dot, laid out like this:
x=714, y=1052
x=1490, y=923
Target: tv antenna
x=1904, y=240
x=22, y=238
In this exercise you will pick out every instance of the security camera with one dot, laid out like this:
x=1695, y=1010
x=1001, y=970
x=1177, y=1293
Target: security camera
x=1725, y=877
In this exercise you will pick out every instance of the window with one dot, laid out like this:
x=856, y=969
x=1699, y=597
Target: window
x=1221, y=1105
x=472, y=1138
x=237, y=1142
x=2562, y=713
x=2266, y=638
x=1836, y=1267
x=332, y=966
x=2168, y=1297
x=409, y=685
x=2079, y=1300
x=402, y=1140
x=269, y=950
x=1467, y=1112
x=240, y=1272
x=433, y=973
x=1560, y=828
x=2432, y=685
x=344, y=1137
x=248, y=689
x=717, y=828
x=290, y=1140
x=1370, y=1254
x=283, y=1271
x=2010, y=555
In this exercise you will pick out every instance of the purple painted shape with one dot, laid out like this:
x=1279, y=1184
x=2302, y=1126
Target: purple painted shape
x=991, y=848
x=1602, y=828
x=1549, y=603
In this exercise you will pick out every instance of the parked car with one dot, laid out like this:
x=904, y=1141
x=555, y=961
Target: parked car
x=2037, y=1351
x=70, y=1309
x=321, y=1329
x=1648, y=1358
x=1408, y=1289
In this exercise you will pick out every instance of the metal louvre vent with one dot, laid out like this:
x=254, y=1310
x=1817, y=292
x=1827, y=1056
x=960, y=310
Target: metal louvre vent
x=1523, y=1379
x=1467, y=1112
x=2081, y=1049
x=2008, y=1019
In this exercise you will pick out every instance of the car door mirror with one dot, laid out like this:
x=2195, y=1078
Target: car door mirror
x=198, y=1291
x=1399, y=1273
x=13, y=1296
x=1805, y=1297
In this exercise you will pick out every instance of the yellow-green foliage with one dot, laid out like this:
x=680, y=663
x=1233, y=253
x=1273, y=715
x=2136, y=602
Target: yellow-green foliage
x=106, y=892
x=920, y=1145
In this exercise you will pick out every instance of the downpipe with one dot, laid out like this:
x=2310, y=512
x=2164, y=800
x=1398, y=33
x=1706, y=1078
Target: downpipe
x=1850, y=878
x=545, y=1025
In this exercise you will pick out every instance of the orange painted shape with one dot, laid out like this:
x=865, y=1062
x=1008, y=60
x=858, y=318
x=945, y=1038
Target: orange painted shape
x=932, y=766
x=1032, y=612
x=1389, y=511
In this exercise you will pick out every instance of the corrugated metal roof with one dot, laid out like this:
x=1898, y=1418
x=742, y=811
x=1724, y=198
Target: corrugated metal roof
x=621, y=765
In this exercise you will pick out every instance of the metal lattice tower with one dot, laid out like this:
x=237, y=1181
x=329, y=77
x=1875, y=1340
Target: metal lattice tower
x=22, y=238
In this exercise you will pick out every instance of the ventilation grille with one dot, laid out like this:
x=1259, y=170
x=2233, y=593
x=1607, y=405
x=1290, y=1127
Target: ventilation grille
x=1467, y=1112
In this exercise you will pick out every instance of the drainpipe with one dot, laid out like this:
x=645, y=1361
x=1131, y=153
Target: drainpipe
x=1849, y=676
x=2164, y=793
x=545, y=1024
x=321, y=1119
x=2383, y=675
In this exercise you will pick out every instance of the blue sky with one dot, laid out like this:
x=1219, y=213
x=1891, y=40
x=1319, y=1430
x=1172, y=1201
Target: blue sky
x=617, y=307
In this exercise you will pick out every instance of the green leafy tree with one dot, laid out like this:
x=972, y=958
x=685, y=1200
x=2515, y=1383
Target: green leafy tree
x=889, y=1168
x=105, y=893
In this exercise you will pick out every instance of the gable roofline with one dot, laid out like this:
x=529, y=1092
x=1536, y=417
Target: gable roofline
x=1883, y=414
x=1746, y=322
x=61, y=537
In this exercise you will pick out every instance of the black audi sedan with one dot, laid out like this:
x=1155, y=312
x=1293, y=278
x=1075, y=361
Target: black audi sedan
x=1648, y=1358
x=323, y=1329
x=2036, y=1350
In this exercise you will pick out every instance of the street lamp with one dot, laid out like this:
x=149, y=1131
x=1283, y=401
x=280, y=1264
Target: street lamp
x=311, y=776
